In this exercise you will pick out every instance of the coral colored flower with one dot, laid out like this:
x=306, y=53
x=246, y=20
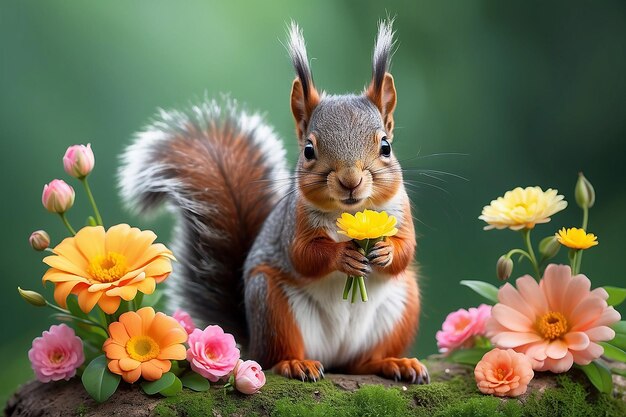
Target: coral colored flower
x=249, y=378
x=461, y=326
x=143, y=343
x=522, y=208
x=367, y=224
x=56, y=354
x=212, y=353
x=504, y=373
x=57, y=196
x=79, y=160
x=185, y=320
x=104, y=267
x=556, y=322
x=39, y=240
x=575, y=238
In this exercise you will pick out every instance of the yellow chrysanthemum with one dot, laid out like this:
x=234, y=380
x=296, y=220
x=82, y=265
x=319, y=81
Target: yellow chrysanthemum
x=367, y=224
x=575, y=238
x=104, y=267
x=522, y=208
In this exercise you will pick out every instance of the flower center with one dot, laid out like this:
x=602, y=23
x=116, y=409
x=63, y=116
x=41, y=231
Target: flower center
x=108, y=268
x=501, y=373
x=552, y=325
x=56, y=357
x=142, y=348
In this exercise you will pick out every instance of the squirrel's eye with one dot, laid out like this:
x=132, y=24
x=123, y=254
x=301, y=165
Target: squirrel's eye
x=385, y=147
x=309, y=152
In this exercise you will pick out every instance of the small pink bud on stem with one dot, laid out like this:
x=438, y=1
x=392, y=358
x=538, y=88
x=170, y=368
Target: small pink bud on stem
x=39, y=240
x=79, y=161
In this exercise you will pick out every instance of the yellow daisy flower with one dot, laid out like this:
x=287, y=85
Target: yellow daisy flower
x=104, y=267
x=368, y=224
x=522, y=208
x=575, y=238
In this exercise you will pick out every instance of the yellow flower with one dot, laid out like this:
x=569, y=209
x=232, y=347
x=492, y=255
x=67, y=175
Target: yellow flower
x=575, y=238
x=522, y=208
x=104, y=267
x=367, y=224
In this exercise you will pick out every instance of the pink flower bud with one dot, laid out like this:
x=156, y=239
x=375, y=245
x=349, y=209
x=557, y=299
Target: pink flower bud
x=39, y=240
x=79, y=160
x=185, y=320
x=57, y=196
x=249, y=378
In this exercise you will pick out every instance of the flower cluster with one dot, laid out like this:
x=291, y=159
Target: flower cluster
x=544, y=323
x=105, y=291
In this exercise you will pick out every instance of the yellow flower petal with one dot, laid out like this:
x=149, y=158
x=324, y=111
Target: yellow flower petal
x=368, y=224
x=575, y=238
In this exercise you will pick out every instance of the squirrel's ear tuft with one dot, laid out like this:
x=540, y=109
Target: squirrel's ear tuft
x=382, y=91
x=304, y=96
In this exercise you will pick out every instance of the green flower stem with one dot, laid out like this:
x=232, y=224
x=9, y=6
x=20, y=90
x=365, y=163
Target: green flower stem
x=67, y=314
x=585, y=218
x=355, y=289
x=519, y=251
x=67, y=224
x=92, y=201
x=575, y=261
x=348, y=287
x=531, y=252
x=362, y=288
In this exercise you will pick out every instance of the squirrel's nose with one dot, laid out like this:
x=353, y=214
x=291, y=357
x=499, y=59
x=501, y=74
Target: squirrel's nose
x=350, y=183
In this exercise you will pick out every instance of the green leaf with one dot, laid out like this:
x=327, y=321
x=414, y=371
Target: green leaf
x=613, y=352
x=72, y=306
x=490, y=292
x=160, y=384
x=617, y=371
x=152, y=300
x=616, y=295
x=172, y=390
x=619, y=327
x=195, y=382
x=468, y=356
x=99, y=382
x=599, y=375
x=619, y=341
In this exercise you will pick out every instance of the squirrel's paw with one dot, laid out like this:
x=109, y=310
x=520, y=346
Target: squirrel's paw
x=405, y=369
x=353, y=262
x=381, y=254
x=306, y=370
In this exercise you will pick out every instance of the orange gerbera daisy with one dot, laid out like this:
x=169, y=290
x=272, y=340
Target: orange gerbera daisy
x=104, y=267
x=143, y=343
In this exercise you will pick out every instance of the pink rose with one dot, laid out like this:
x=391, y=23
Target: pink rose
x=57, y=196
x=249, y=378
x=56, y=354
x=79, y=160
x=212, y=353
x=461, y=326
x=185, y=320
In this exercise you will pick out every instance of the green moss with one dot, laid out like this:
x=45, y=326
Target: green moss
x=456, y=396
x=82, y=410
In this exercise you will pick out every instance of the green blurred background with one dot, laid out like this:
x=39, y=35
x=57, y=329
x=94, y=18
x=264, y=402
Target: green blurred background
x=503, y=94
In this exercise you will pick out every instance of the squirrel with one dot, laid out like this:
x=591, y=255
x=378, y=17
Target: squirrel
x=258, y=248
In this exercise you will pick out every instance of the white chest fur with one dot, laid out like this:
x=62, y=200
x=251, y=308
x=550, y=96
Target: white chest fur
x=336, y=331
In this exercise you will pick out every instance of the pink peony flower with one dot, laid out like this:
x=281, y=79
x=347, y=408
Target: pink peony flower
x=79, y=160
x=57, y=196
x=212, y=353
x=503, y=373
x=556, y=322
x=56, y=354
x=185, y=320
x=461, y=326
x=249, y=378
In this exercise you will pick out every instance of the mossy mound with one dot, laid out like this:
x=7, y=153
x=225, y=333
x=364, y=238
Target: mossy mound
x=452, y=393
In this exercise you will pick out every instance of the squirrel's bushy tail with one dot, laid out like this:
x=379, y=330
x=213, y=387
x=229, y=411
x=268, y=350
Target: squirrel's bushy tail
x=219, y=169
